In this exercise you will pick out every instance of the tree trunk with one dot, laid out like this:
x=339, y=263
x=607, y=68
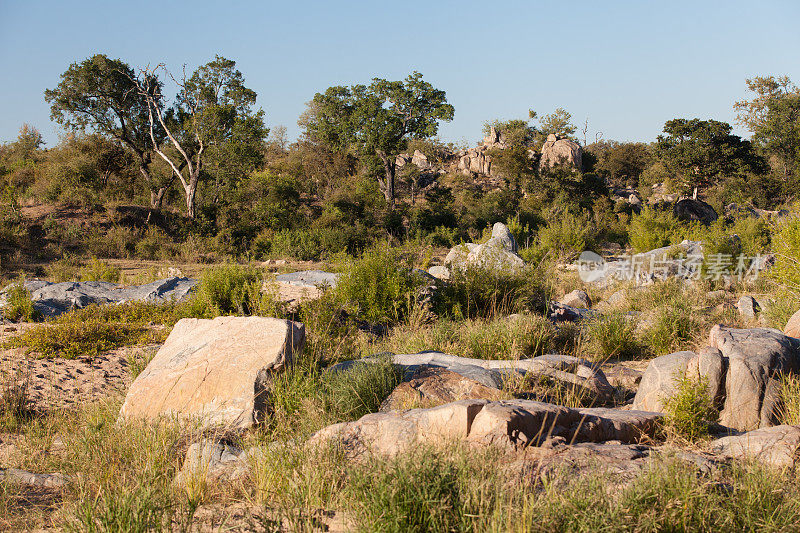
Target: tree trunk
x=387, y=183
x=191, y=192
x=157, y=197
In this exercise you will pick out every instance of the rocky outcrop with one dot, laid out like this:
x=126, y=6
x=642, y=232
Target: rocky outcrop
x=777, y=446
x=216, y=372
x=52, y=299
x=429, y=386
x=556, y=151
x=743, y=369
x=477, y=160
x=689, y=210
x=309, y=278
x=418, y=159
x=565, y=369
x=498, y=253
x=513, y=424
x=646, y=267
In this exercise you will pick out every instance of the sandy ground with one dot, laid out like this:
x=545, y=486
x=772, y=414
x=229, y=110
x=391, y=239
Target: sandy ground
x=62, y=383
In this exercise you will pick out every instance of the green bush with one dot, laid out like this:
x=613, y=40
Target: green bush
x=78, y=338
x=360, y=389
x=309, y=244
x=98, y=270
x=565, y=236
x=482, y=292
x=653, y=229
x=673, y=327
x=19, y=305
x=786, y=246
x=378, y=287
x=156, y=244
x=232, y=290
x=613, y=336
x=690, y=411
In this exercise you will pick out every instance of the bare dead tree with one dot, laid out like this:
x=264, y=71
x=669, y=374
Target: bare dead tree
x=190, y=158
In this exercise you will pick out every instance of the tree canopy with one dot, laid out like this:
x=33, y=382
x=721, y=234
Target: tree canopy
x=374, y=123
x=101, y=95
x=701, y=151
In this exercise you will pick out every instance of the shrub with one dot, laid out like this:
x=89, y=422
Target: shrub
x=65, y=269
x=673, y=327
x=378, y=287
x=232, y=290
x=155, y=244
x=359, y=390
x=690, y=412
x=653, y=229
x=19, y=305
x=78, y=338
x=613, y=336
x=786, y=246
x=98, y=270
x=482, y=292
x=565, y=236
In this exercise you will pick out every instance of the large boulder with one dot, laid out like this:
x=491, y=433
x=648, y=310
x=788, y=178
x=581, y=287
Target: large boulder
x=429, y=386
x=309, y=278
x=510, y=423
x=756, y=360
x=689, y=210
x=52, y=299
x=777, y=446
x=743, y=369
x=217, y=372
x=557, y=151
x=792, y=328
x=498, y=253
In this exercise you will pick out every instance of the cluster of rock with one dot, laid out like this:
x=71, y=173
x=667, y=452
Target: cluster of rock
x=52, y=299
x=742, y=367
x=418, y=159
x=558, y=151
x=477, y=160
x=498, y=253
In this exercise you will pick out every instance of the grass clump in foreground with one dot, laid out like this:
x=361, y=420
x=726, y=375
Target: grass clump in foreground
x=613, y=336
x=690, y=411
x=307, y=398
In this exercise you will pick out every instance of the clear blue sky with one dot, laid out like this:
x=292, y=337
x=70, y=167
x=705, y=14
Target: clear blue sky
x=627, y=66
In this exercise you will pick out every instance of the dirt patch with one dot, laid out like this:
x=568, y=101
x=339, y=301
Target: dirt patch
x=63, y=383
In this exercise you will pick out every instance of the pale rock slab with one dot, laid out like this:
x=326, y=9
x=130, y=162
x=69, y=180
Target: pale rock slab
x=217, y=372
x=776, y=446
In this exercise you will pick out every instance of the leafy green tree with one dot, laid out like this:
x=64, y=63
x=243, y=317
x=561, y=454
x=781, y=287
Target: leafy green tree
x=100, y=94
x=212, y=120
x=699, y=152
x=558, y=122
x=774, y=118
x=374, y=123
x=620, y=162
